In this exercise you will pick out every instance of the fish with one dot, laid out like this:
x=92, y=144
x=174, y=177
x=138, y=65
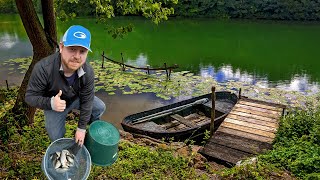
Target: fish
x=62, y=160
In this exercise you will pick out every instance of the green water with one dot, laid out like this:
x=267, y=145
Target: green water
x=272, y=54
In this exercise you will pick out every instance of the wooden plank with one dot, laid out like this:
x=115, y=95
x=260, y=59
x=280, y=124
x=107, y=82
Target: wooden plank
x=180, y=127
x=248, y=129
x=256, y=112
x=170, y=124
x=183, y=120
x=260, y=105
x=245, y=134
x=239, y=113
x=197, y=119
x=251, y=125
x=258, y=109
x=263, y=102
x=224, y=153
x=191, y=116
x=254, y=121
x=240, y=143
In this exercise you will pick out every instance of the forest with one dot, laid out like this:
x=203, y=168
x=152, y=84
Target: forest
x=301, y=10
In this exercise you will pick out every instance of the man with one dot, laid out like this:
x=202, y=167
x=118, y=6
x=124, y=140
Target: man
x=65, y=81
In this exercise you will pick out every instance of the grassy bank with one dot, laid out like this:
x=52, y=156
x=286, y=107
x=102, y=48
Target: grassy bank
x=20, y=155
x=295, y=151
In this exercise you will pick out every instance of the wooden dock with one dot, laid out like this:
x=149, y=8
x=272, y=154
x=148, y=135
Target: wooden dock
x=249, y=129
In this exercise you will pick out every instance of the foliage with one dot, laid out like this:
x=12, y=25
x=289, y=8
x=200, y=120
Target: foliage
x=259, y=171
x=250, y=9
x=296, y=149
x=297, y=145
x=158, y=10
x=7, y=6
x=8, y=127
x=138, y=162
x=106, y=9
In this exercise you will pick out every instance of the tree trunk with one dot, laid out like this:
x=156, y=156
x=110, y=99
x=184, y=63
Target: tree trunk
x=42, y=47
x=49, y=20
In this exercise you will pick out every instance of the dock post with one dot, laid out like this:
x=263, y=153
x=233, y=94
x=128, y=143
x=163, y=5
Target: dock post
x=7, y=85
x=123, y=67
x=239, y=96
x=213, y=99
x=148, y=71
x=165, y=66
x=102, y=59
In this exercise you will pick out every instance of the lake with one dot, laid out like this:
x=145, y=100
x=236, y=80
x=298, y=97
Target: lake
x=279, y=54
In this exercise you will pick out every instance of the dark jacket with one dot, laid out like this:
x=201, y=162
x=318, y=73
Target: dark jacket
x=47, y=79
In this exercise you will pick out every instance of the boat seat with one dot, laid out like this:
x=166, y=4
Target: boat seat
x=183, y=120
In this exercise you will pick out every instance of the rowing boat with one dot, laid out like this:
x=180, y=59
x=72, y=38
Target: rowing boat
x=181, y=120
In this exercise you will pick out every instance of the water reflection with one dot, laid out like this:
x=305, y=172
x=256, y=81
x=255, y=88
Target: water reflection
x=141, y=61
x=301, y=83
x=225, y=73
x=12, y=46
x=7, y=41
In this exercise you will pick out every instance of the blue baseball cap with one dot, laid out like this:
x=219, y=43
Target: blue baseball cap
x=77, y=35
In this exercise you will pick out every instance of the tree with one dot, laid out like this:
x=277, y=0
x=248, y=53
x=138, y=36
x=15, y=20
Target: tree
x=43, y=39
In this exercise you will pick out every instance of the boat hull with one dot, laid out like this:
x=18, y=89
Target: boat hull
x=158, y=125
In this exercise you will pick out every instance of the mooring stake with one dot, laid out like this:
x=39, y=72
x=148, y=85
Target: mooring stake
x=7, y=85
x=213, y=108
x=165, y=67
x=123, y=67
x=148, y=71
x=102, y=59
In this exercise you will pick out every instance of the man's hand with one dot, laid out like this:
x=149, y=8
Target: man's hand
x=57, y=104
x=79, y=136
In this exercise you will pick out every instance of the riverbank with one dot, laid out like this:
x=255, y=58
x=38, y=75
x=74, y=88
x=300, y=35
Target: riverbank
x=145, y=158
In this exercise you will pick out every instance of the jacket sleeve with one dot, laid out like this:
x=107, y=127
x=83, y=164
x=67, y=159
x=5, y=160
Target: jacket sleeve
x=86, y=100
x=36, y=88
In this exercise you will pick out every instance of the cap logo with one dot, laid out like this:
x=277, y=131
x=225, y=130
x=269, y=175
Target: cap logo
x=80, y=35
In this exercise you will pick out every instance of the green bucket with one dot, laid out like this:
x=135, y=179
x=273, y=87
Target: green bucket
x=102, y=143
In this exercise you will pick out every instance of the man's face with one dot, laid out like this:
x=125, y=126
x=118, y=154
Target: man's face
x=73, y=57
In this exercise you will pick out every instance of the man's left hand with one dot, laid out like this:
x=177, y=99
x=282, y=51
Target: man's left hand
x=79, y=136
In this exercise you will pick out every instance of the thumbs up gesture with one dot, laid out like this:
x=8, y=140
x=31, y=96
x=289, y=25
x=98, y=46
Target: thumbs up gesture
x=57, y=104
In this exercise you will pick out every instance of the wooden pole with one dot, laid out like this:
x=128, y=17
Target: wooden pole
x=148, y=71
x=239, y=93
x=213, y=99
x=102, y=59
x=7, y=85
x=123, y=68
x=165, y=66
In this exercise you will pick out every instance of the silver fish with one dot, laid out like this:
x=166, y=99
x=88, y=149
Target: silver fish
x=63, y=158
x=70, y=159
x=57, y=164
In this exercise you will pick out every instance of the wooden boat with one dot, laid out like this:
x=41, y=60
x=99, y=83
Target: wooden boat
x=181, y=120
